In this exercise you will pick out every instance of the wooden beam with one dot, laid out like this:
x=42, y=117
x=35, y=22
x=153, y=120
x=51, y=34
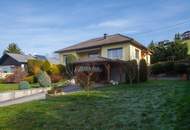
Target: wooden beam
x=108, y=67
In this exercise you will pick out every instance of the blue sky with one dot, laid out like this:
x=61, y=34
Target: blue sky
x=43, y=26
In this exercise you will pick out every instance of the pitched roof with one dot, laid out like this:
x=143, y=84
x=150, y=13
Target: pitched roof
x=20, y=57
x=96, y=42
x=40, y=57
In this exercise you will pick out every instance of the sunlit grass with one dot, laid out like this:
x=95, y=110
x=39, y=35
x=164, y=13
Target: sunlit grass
x=151, y=105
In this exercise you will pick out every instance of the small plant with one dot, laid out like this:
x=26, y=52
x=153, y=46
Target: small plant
x=44, y=79
x=24, y=85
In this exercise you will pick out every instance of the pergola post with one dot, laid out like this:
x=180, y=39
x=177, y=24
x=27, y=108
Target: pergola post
x=108, y=67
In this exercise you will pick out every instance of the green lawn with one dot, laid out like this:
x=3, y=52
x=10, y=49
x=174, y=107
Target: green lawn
x=155, y=105
x=8, y=87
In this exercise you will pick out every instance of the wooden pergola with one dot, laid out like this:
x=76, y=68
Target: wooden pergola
x=98, y=61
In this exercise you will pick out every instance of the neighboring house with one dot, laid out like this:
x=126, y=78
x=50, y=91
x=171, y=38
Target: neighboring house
x=40, y=57
x=185, y=35
x=12, y=61
x=108, y=53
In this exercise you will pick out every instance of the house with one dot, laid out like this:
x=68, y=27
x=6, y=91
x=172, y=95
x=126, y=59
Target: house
x=11, y=61
x=108, y=52
x=185, y=35
x=40, y=57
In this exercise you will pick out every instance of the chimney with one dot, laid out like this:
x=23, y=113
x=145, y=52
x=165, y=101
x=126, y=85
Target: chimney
x=105, y=35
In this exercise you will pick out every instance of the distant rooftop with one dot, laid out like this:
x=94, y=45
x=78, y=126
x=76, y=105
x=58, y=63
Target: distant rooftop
x=20, y=57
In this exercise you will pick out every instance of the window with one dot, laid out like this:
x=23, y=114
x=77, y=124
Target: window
x=115, y=53
x=93, y=55
x=136, y=54
x=64, y=59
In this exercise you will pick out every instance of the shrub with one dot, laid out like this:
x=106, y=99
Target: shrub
x=157, y=68
x=31, y=79
x=180, y=68
x=24, y=85
x=61, y=68
x=84, y=80
x=44, y=79
x=46, y=66
x=131, y=71
x=54, y=69
x=16, y=77
x=55, y=78
x=168, y=67
x=143, y=71
x=34, y=66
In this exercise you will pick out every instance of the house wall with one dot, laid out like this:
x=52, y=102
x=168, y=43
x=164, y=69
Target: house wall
x=9, y=61
x=125, y=46
x=128, y=52
x=61, y=56
x=132, y=53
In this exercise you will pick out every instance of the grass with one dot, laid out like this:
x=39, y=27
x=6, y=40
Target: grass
x=8, y=87
x=155, y=105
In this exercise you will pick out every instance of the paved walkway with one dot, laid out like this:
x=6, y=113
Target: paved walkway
x=38, y=96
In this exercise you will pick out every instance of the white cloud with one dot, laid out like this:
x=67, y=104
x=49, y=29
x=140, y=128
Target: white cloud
x=114, y=23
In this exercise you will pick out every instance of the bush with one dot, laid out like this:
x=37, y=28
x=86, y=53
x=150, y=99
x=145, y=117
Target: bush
x=143, y=71
x=55, y=78
x=169, y=68
x=31, y=79
x=16, y=77
x=54, y=69
x=46, y=66
x=24, y=85
x=131, y=71
x=180, y=68
x=84, y=80
x=157, y=68
x=62, y=69
x=44, y=79
x=34, y=66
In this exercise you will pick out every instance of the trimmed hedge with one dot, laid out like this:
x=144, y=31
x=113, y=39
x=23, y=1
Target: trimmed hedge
x=169, y=68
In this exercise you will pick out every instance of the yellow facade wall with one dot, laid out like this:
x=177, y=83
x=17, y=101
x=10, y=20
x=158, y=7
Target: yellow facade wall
x=125, y=46
x=128, y=52
x=61, y=56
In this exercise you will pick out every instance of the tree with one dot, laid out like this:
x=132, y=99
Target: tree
x=151, y=46
x=13, y=48
x=131, y=70
x=177, y=37
x=143, y=71
x=70, y=59
x=171, y=51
